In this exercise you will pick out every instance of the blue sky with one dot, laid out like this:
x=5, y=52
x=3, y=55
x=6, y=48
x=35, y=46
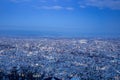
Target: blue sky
x=64, y=16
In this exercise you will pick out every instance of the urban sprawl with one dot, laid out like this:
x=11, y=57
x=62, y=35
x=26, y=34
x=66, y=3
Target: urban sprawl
x=59, y=59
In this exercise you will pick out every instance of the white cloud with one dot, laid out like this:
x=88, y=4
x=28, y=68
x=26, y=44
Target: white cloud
x=82, y=6
x=57, y=7
x=17, y=1
x=34, y=0
x=111, y=4
x=51, y=7
x=46, y=4
x=51, y=4
x=69, y=8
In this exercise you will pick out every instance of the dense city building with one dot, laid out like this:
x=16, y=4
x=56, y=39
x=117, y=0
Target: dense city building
x=59, y=59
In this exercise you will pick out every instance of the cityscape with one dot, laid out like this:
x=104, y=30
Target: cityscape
x=61, y=59
x=59, y=39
